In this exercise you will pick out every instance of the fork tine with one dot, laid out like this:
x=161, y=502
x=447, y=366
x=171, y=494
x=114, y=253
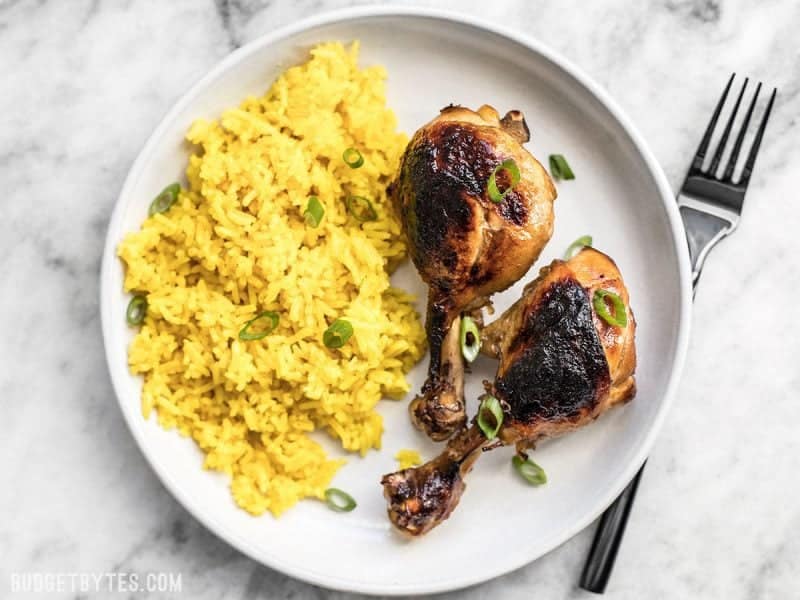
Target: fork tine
x=737, y=146
x=697, y=163
x=723, y=141
x=751, y=158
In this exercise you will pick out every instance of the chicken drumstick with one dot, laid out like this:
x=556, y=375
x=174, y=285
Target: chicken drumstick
x=561, y=366
x=465, y=245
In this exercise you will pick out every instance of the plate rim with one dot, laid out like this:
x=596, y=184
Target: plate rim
x=109, y=260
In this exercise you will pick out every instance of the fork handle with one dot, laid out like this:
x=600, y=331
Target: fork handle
x=607, y=538
x=703, y=231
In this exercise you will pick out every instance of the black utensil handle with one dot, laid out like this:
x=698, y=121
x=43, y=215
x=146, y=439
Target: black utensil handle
x=607, y=538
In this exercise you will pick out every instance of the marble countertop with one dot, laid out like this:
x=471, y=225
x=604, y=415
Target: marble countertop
x=83, y=85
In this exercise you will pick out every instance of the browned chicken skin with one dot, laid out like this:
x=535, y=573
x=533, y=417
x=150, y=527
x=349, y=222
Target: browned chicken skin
x=465, y=246
x=561, y=366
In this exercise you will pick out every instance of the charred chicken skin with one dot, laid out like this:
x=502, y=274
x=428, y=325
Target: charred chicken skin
x=561, y=366
x=464, y=245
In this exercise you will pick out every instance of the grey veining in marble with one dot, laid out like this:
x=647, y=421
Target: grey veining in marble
x=83, y=84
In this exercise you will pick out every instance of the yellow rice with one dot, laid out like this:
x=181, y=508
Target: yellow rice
x=235, y=244
x=407, y=458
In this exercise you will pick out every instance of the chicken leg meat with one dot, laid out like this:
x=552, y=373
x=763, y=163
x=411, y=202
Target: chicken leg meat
x=561, y=366
x=465, y=245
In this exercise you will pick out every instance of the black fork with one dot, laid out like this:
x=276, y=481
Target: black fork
x=710, y=206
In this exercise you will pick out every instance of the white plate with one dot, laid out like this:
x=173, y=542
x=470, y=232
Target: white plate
x=620, y=196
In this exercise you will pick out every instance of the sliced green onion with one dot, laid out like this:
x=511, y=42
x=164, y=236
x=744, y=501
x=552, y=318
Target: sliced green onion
x=164, y=201
x=339, y=501
x=470, y=339
x=353, y=158
x=529, y=470
x=137, y=309
x=267, y=320
x=361, y=208
x=495, y=195
x=314, y=212
x=577, y=245
x=620, y=316
x=337, y=334
x=559, y=167
x=490, y=416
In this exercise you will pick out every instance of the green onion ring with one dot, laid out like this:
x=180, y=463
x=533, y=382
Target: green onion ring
x=469, y=347
x=490, y=409
x=559, y=167
x=164, y=201
x=361, y=208
x=620, y=316
x=337, y=334
x=577, y=246
x=353, y=158
x=137, y=309
x=529, y=470
x=339, y=500
x=247, y=335
x=495, y=195
x=314, y=212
